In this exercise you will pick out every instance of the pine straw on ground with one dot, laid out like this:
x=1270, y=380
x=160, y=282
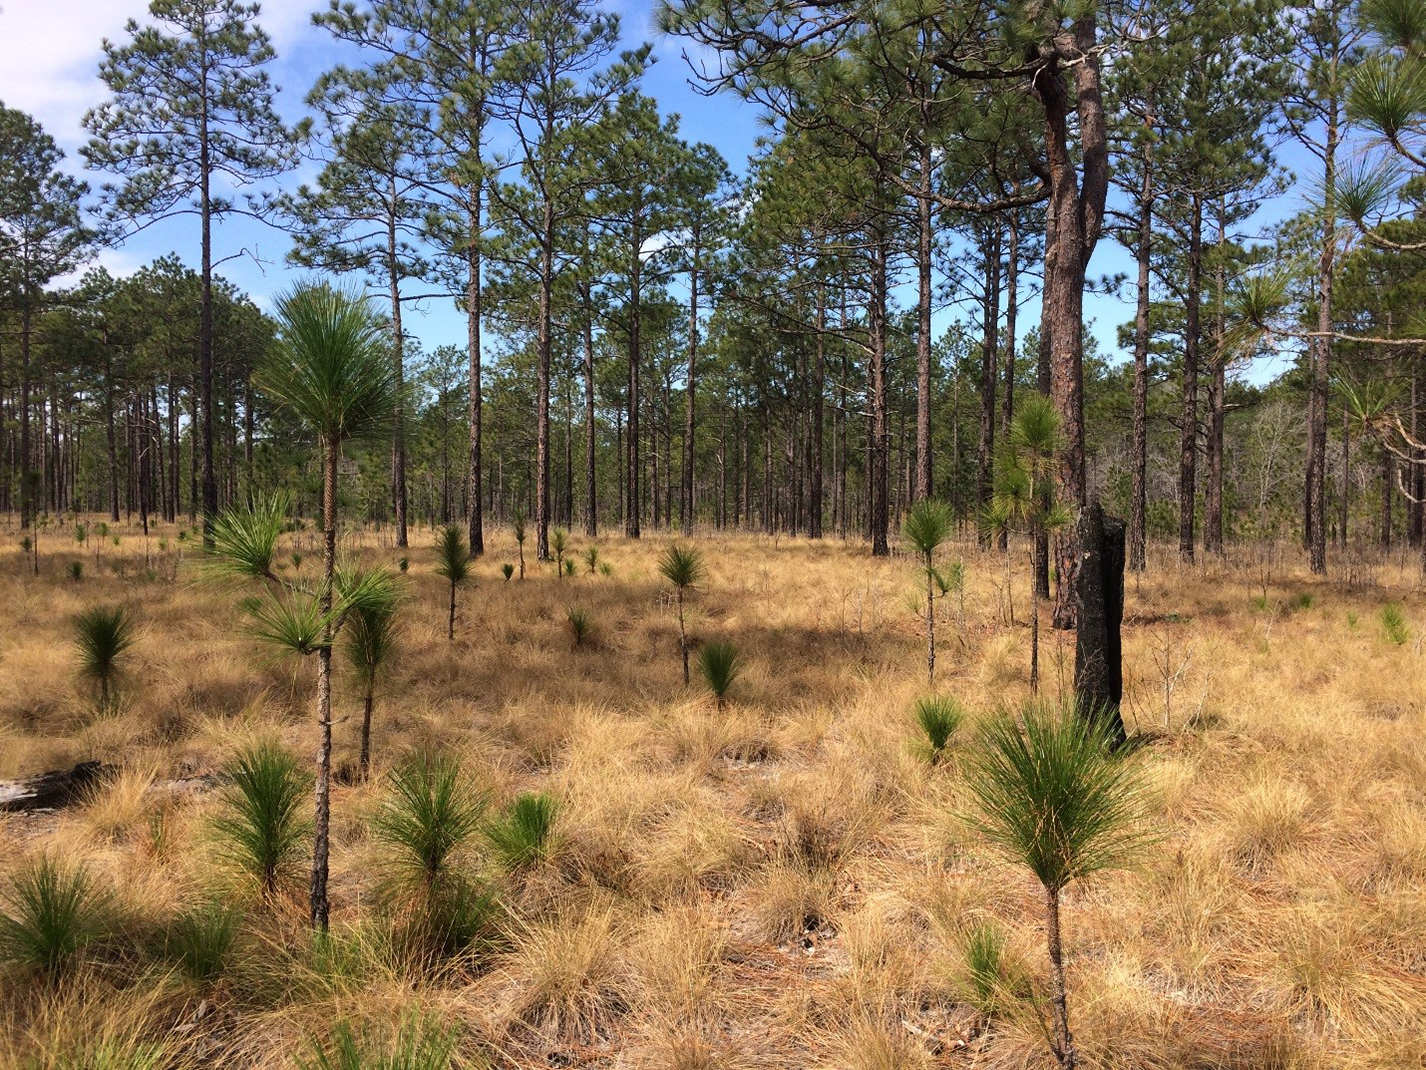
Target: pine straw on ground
x=779, y=884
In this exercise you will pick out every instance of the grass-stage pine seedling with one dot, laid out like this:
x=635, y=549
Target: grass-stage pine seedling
x=938, y=717
x=522, y=833
x=102, y=636
x=261, y=824
x=719, y=665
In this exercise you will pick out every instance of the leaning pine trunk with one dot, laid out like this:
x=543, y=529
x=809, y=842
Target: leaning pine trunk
x=320, y=909
x=1064, y=1041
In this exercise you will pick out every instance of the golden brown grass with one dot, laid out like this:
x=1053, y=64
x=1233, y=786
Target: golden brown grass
x=782, y=883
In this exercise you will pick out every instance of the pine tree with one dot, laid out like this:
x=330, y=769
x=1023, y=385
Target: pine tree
x=42, y=236
x=192, y=105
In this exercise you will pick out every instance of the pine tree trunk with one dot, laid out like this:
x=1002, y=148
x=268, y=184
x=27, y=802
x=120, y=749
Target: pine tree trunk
x=398, y=444
x=878, y=517
x=27, y=472
x=686, y=505
x=544, y=344
x=591, y=489
x=1321, y=350
x=1188, y=429
x=682, y=638
x=1074, y=218
x=990, y=325
x=1139, y=451
x=205, y=335
x=473, y=301
x=631, y=515
x=930, y=624
x=925, y=462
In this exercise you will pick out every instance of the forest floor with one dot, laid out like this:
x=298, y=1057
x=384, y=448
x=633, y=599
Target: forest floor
x=781, y=883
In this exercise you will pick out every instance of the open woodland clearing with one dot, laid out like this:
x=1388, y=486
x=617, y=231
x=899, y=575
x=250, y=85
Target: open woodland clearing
x=782, y=882
x=587, y=533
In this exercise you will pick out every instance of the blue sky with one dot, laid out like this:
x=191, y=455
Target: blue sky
x=49, y=56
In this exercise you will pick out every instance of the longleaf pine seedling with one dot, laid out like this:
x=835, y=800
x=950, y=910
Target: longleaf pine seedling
x=261, y=823
x=102, y=636
x=559, y=546
x=581, y=626
x=927, y=525
x=682, y=566
x=369, y=645
x=50, y=910
x=719, y=665
x=522, y=833
x=453, y=562
x=938, y=717
x=332, y=371
x=1052, y=795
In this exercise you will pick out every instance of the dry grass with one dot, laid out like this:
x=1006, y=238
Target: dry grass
x=780, y=884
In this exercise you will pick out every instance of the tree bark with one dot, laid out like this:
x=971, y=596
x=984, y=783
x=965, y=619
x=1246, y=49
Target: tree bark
x=1074, y=218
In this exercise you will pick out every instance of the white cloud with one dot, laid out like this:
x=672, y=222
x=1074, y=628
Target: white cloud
x=49, y=58
x=50, y=52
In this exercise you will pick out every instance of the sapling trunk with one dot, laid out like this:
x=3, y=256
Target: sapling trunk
x=1034, y=623
x=682, y=637
x=930, y=622
x=367, y=703
x=451, y=618
x=320, y=909
x=1064, y=1040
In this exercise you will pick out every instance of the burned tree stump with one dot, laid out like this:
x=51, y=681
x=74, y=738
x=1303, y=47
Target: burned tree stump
x=52, y=790
x=1099, y=601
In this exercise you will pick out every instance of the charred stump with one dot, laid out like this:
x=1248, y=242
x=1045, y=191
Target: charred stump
x=1099, y=602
